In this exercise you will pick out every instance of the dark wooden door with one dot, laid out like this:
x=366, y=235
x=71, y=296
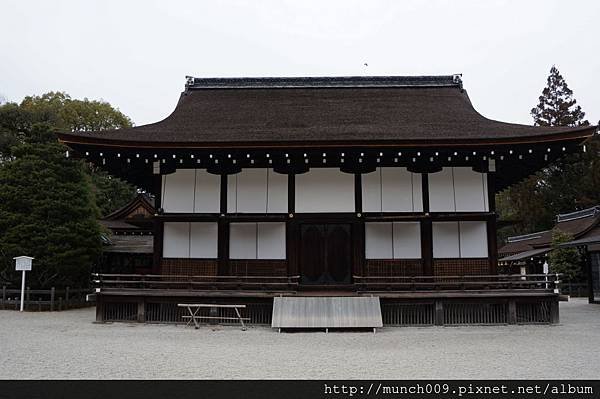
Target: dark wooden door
x=325, y=253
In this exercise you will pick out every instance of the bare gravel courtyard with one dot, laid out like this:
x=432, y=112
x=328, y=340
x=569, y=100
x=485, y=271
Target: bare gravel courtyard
x=68, y=345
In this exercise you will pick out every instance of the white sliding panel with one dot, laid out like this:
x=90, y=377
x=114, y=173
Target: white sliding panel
x=473, y=239
x=176, y=240
x=396, y=190
x=325, y=190
x=417, y=186
x=277, y=192
x=252, y=191
x=178, y=191
x=407, y=240
x=371, y=191
x=271, y=241
x=441, y=191
x=378, y=241
x=445, y=240
x=203, y=240
x=469, y=190
x=208, y=192
x=242, y=241
x=257, y=191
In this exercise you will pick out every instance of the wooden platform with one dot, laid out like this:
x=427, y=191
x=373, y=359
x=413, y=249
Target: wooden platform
x=326, y=312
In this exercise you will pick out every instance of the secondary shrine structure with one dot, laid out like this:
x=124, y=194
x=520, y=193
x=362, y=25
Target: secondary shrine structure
x=310, y=186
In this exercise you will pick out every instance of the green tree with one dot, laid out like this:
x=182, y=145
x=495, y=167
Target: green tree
x=556, y=106
x=566, y=261
x=562, y=186
x=62, y=113
x=47, y=211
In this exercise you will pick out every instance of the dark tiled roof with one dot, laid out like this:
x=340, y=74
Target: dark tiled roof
x=130, y=244
x=579, y=224
x=357, y=110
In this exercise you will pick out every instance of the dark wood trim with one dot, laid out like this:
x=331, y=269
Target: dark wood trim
x=427, y=246
x=223, y=247
x=291, y=193
x=436, y=216
x=292, y=236
x=358, y=252
x=492, y=236
x=223, y=196
x=491, y=183
x=158, y=245
x=358, y=192
x=425, y=191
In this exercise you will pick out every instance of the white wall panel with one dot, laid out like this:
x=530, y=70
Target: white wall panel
x=252, y=191
x=371, y=191
x=417, y=184
x=176, y=240
x=473, y=239
x=271, y=241
x=277, y=193
x=407, y=240
x=441, y=191
x=325, y=190
x=242, y=241
x=445, y=240
x=178, y=191
x=469, y=190
x=378, y=241
x=203, y=240
x=397, y=191
x=257, y=190
x=208, y=192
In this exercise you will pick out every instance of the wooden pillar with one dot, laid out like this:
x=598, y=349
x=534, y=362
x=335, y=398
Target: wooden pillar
x=223, y=232
x=141, y=310
x=292, y=233
x=157, y=230
x=426, y=229
x=439, y=313
x=358, y=230
x=492, y=237
x=357, y=192
x=512, y=311
x=554, y=315
x=99, y=308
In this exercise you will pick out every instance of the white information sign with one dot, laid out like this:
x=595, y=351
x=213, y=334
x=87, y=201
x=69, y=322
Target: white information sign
x=23, y=263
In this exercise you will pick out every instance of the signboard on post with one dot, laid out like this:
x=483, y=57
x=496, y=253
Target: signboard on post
x=23, y=263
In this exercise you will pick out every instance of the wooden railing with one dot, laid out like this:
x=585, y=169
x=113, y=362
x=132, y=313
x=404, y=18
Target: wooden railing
x=51, y=299
x=545, y=282
x=178, y=282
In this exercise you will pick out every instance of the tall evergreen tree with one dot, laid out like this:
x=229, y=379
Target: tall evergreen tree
x=47, y=211
x=560, y=187
x=60, y=112
x=556, y=106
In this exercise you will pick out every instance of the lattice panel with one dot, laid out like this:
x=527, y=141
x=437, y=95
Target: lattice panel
x=393, y=267
x=461, y=267
x=189, y=267
x=257, y=268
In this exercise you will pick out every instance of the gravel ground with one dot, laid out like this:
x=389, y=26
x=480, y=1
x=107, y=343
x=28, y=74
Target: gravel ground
x=68, y=345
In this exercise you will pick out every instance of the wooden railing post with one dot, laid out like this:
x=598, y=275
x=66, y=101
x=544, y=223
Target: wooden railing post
x=512, y=311
x=439, y=313
x=52, y=292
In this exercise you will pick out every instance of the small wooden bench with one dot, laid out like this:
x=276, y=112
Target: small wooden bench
x=194, y=308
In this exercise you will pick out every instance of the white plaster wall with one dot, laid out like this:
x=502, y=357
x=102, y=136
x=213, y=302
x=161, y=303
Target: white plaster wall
x=178, y=191
x=271, y=241
x=378, y=240
x=407, y=240
x=203, y=240
x=242, y=241
x=441, y=191
x=176, y=240
x=324, y=190
x=257, y=190
x=473, y=239
x=208, y=192
x=445, y=240
x=469, y=190
x=277, y=192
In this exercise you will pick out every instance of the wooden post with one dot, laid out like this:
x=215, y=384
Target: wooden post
x=512, y=311
x=554, y=315
x=439, y=313
x=52, y=292
x=141, y=311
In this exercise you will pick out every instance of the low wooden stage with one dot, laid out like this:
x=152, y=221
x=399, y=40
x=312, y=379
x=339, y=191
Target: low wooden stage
x=405, y=301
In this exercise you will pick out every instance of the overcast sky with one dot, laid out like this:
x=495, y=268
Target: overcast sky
x=136, y=54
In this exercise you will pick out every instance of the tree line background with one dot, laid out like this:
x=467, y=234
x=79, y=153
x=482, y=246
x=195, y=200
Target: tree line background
x=50, y=204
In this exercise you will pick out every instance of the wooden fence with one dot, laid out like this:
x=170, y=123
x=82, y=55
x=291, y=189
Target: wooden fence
x=52, y=299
